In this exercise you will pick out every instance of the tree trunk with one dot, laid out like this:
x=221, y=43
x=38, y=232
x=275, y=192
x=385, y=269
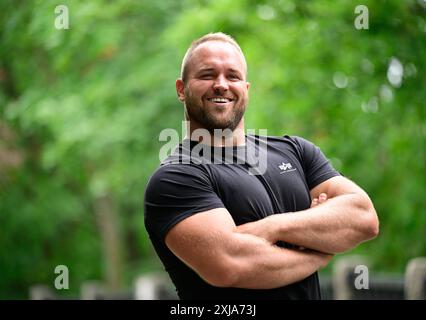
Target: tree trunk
x=109, y=231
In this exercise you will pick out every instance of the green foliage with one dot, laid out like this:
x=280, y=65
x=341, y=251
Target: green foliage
x=83, y=108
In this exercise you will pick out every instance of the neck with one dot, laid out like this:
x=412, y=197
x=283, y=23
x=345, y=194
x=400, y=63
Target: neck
x=222, y=138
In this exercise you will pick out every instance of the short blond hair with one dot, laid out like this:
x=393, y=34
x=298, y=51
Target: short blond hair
x=216, y=36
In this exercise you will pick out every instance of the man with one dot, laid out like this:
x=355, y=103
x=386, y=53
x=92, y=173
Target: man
x=223, y=233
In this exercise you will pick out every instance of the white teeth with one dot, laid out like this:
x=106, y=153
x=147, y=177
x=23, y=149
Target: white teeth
x=221, y=100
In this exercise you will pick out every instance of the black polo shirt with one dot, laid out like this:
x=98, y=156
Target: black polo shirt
x=250, y=185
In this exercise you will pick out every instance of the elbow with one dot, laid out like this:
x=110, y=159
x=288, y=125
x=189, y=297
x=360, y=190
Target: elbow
x=371, y=222
x=372, y=227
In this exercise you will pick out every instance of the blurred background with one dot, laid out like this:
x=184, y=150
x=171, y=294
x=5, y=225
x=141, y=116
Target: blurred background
x=81, y=110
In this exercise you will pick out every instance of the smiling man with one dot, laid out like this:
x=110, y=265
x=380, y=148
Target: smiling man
x=213, y=85
x=224, y=233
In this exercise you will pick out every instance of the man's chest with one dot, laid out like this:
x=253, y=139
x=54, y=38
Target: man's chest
x=281, y=188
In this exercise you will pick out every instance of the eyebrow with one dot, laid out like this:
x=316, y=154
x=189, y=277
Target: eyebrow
x=205, y=70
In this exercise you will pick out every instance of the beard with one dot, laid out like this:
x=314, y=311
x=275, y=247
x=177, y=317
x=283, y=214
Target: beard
x=208, y=119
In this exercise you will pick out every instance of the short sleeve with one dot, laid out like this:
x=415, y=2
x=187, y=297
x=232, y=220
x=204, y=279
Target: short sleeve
x=316, y=166
x=175, y=192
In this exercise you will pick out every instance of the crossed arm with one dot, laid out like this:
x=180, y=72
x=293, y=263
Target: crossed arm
x=346, y=219
x=245, y=256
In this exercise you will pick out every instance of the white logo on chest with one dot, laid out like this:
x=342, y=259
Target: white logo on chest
x=286, y=167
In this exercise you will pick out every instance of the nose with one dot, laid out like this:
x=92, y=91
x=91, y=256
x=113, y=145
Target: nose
x=220, y=85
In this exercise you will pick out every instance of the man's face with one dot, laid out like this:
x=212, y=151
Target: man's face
x=216, y=91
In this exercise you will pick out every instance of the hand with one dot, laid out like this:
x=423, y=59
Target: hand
x=317, y=201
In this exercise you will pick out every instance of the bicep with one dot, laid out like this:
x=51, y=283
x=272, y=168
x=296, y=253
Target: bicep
x=336, y=186
x=202, y=240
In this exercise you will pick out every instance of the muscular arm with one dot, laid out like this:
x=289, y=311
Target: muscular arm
x=209, y=243
x=346, y=219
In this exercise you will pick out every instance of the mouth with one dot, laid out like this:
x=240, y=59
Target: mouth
x=220, y=100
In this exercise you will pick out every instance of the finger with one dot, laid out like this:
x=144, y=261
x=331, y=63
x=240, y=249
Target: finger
x=314, y=202
x=322, y=197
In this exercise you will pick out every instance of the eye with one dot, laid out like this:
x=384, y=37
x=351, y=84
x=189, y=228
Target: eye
x=206, y=76
x=234, y=77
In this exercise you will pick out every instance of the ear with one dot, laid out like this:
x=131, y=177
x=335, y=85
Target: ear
x=248, y=85
x=180, y=90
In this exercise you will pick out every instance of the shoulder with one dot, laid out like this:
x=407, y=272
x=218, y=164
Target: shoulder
x=174, y=175
x=177, y=171
x=294, y=144
x=295, y=141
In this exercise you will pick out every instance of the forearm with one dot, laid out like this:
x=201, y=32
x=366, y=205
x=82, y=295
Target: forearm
x=337, y=225
x=225, y=257
x=256, y=264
